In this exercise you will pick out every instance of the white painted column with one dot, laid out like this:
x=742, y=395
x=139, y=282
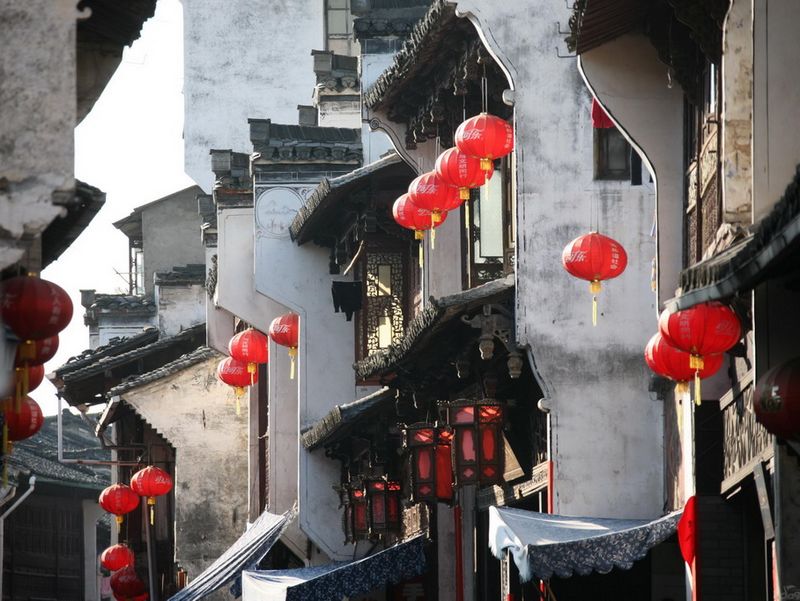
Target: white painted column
x=91, y=575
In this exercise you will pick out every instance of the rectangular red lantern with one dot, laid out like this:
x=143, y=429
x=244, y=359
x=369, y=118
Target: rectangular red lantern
x=421, y=440
x=444, y=466
x=478, y=451
x=358, y=501
x=393, y=510
x=376, y=495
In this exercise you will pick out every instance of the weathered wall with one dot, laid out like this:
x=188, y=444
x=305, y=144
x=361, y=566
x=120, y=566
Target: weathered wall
x=265, y=44
x=171, y=234
x=38, y=96
x=195, y=412
x=776, y=98
x=298, y=279
x=180, y=307
x=737, y=113
x=606, y=433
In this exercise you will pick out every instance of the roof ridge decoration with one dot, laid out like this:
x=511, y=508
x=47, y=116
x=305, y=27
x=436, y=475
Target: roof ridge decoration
x=119, y=345
x=281, y=143
x=425, y=324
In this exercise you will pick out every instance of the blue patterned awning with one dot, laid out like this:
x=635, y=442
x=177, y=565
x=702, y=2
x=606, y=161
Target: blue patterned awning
x=244, y=554
x=543, y=544
x=333, y=581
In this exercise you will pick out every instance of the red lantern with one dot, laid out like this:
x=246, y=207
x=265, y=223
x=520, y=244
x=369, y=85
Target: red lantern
x=670, y=362
x=444, y=465
x=393, y=514
x=142, y=597
x=478, y=453
x=251, y=347
x=600, y=119
x=705, y=329
x=234, y=373
x=28, y=378
x=34, y=308
x=461, y=170
x=126, y=584
x=594, y=257
x=358, y=505
x=119, y=500
x=431, y=462
x=36, y=352
x=412, y=217
x=432, y=193
x=151, y=482
x=22, y=421
x=486, y=137
x=777, y=400
x=117, y=557
x=285, y=330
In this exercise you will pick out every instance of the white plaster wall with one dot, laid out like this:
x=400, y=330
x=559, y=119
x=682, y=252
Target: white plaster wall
x=91, y=513
x=606, y=434
x=195, y=412
x=180, y=307
x=631, y=83
x=38, y=96
x=298, y=279
x=339, y=113
x=374, y=143
x=776, y=101
x=236, y=294
x=243, y=59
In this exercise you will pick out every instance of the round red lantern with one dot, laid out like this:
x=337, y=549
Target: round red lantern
x=126, y=584
x=34, y=308
x=432, y=193
x=234, y=373
x=461, y=170
x=285, y=330
x=487, y=137
x=23, y=418
x=250, y=347
x=117, y=557
x=36, y=352
x=118, y=499
x=412, y=217
x=777, y=400
x=142, y=597
x=594, y=257
x=151, y=482
x=673, y=363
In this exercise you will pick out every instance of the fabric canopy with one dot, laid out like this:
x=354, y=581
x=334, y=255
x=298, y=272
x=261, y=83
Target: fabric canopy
x=244, y=554
x=333, y=581
x=543, y=544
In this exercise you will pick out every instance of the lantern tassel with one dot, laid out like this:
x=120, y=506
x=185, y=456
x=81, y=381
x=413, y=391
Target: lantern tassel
x=487, y=164
x=466, y=216
x=238, y=406
x=151, y=501
x=433, y=238
x=463, y=193
x=421, y=260
x=698, y=398
x=292, y=355
x=594, y=287
x=118, y=519
x=696, y=363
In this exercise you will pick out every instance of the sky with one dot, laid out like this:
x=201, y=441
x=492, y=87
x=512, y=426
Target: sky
x=131, y=147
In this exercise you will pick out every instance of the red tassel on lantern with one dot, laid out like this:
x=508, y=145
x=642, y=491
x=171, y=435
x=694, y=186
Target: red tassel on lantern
x=234, y=373
x=487, y=137
x=285, y=331
x=594, y=257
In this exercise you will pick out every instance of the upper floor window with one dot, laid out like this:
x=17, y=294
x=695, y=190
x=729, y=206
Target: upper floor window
x=489, y=248
x=339, y=28
x=612, y=154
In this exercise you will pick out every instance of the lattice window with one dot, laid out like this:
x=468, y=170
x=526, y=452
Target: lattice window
x=383, y=314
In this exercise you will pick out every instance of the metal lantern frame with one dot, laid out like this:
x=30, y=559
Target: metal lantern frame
x=478, y=453
x=383, y=500
x=431, y=461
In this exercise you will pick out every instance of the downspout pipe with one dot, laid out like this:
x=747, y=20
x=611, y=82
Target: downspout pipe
x=25, y=495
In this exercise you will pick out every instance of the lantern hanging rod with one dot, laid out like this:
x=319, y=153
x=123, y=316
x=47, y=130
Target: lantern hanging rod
x=62, y=459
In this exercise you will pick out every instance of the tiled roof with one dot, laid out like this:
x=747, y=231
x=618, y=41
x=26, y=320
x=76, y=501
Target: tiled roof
x=342, y=417
x=113, y=21
x=124, y=303
x=63, y=231
x=418, y=52
x=330, y=190
x=421, y=330
x=39, y=454
x=116, y=346
x=189, y=359
x=388, y=22
x=194, y=273
x=304, y=143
